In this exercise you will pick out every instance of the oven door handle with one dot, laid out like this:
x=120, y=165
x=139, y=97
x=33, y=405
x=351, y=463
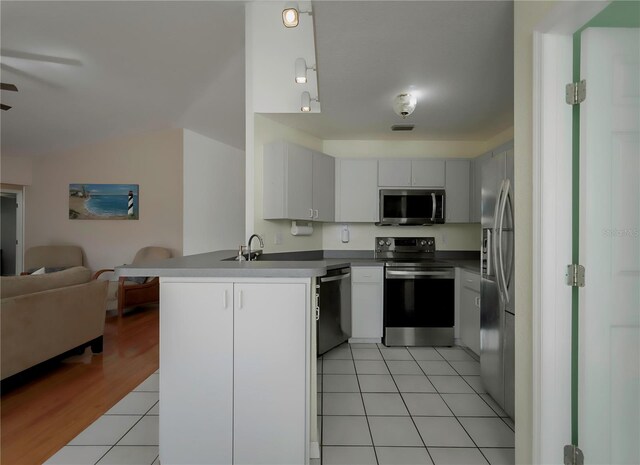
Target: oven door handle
x=401, y=274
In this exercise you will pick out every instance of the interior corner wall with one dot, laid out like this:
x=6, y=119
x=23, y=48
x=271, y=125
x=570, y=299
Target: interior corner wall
x=527, y=14
x=266, y=131
x=214, y=195
x=153, y=161
x=362, y=235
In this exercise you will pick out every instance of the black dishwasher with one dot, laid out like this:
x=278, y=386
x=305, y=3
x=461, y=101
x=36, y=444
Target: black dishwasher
x=334, y=322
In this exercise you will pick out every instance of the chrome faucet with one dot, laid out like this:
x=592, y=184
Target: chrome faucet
x=249, y=245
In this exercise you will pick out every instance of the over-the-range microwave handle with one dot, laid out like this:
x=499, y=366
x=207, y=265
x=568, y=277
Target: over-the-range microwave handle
x=433, y=207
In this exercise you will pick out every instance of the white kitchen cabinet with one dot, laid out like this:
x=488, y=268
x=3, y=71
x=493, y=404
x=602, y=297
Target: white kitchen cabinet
x=457, y=182
x=323, y=187
x=394, y=173
x=411, y=173
x=366, y=303
x=298, y=183
x=356, y=190
x=469, y=304
x=475, y=197
x=233, y=372
x=428, y=173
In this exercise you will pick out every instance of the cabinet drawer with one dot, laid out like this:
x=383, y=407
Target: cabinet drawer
x=470, y=280
x=366, y=274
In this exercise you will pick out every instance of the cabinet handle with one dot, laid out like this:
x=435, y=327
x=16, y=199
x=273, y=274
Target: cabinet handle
x=311, y=213
x=240, y=300
x=469, y=280
x=315, y=213
x=478, y=302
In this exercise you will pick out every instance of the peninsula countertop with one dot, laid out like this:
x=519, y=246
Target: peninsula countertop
x=281, y=265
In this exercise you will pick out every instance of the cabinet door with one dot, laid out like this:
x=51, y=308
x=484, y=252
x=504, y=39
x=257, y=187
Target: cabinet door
x=324, y=187
x=270, y=375
x=470, y=319
x=366, y=302
x=428, y=173
x=394, y=173
x=356, y=190
x=457, y=191
x=299, y=179
x=196, y=373
x=476, y=193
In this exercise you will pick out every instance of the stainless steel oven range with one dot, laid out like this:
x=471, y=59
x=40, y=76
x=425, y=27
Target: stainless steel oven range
x=419, y=293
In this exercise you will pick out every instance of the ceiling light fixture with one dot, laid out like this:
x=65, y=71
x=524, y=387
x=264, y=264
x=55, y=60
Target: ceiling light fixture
x=404, y=104
x=291, y=16
x=301, y=70
x=305, y=102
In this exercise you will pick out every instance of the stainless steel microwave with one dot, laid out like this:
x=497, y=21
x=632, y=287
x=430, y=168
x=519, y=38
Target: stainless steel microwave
x=411, y=207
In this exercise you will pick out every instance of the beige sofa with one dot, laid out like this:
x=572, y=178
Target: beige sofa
x=43, y=316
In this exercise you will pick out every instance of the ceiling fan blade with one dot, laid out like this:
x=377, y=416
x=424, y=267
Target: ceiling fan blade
x=5, y=86
x=4, y=107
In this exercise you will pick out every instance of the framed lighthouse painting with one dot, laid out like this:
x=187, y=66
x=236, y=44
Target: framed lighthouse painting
x=103, y=202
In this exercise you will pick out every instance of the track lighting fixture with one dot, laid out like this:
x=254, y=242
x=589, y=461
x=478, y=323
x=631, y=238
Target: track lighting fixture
x=291, y=16
x=301, y=70
x=306, y=100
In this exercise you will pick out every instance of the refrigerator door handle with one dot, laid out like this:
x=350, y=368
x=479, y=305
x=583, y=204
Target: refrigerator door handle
x=496, y=243
x=508, y=274
x=501, y=273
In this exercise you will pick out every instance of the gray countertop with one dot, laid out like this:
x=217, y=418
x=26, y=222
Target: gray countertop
x=288, y=265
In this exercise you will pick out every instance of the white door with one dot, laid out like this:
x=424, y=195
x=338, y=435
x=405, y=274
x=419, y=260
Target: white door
x=609, y=363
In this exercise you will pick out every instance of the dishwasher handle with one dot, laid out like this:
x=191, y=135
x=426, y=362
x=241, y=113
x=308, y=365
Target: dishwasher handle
x=328, y=279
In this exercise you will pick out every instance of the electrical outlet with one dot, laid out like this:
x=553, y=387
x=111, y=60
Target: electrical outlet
x=277, y=238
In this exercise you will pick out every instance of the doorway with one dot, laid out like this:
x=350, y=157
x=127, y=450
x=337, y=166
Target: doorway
x=11, y=231
x=586, y=158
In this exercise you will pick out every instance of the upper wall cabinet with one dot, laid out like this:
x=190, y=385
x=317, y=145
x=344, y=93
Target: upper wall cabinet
x=411, y=173
x=356, y=190
x=298, y=183
x=457, y=181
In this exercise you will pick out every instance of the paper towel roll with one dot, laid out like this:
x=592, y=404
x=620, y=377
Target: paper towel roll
x=302, y=229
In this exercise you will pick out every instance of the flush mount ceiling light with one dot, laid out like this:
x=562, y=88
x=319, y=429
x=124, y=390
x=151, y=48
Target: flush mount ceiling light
x=291, y=16
x=404, y=104
x=305, y=104
x=301, y=70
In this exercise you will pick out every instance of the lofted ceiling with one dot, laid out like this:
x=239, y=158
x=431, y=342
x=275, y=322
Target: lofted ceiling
x=90, y=71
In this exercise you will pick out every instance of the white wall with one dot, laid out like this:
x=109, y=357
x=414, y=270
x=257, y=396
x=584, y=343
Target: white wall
x=213, y=196
x=266, y=131
x=16, y=170
x=527, y=14
x=153, y=161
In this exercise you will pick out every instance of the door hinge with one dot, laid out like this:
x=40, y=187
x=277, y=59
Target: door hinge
x=573, y=455
x=576, y=92
x=575, y=275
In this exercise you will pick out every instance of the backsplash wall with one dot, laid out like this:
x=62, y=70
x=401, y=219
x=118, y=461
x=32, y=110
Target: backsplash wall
x=362, y=235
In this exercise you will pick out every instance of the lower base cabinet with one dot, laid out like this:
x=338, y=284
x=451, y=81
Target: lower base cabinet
x=233, y=372
x=469, y=298
x=366, y=304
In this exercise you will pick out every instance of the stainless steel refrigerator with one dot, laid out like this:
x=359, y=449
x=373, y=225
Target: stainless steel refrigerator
x=497, y=297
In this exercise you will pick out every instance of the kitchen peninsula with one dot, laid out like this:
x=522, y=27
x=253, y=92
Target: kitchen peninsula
x=238, y=354
x=237, y=359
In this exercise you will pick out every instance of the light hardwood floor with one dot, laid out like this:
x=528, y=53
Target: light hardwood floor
x=44, y=414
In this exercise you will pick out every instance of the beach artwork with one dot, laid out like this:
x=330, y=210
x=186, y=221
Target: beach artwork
x=103, y=201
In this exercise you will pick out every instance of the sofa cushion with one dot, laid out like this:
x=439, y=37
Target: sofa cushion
x=11, y=286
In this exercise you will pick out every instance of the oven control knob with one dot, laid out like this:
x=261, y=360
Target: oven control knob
x=430, y=242
x=380, y=242
x=388, y=243
x=423, y=243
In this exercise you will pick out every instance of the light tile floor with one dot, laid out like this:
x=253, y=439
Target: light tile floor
x=408, y=406
x=377, y=405
x=127, y=434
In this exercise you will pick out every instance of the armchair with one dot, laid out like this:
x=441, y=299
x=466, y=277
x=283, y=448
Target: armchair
x=52, y=256
x=130, y=292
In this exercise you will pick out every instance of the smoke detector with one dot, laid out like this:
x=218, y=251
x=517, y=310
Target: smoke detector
x=404, y=104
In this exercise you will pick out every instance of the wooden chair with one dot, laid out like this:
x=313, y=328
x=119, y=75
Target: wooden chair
x=129, y=291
